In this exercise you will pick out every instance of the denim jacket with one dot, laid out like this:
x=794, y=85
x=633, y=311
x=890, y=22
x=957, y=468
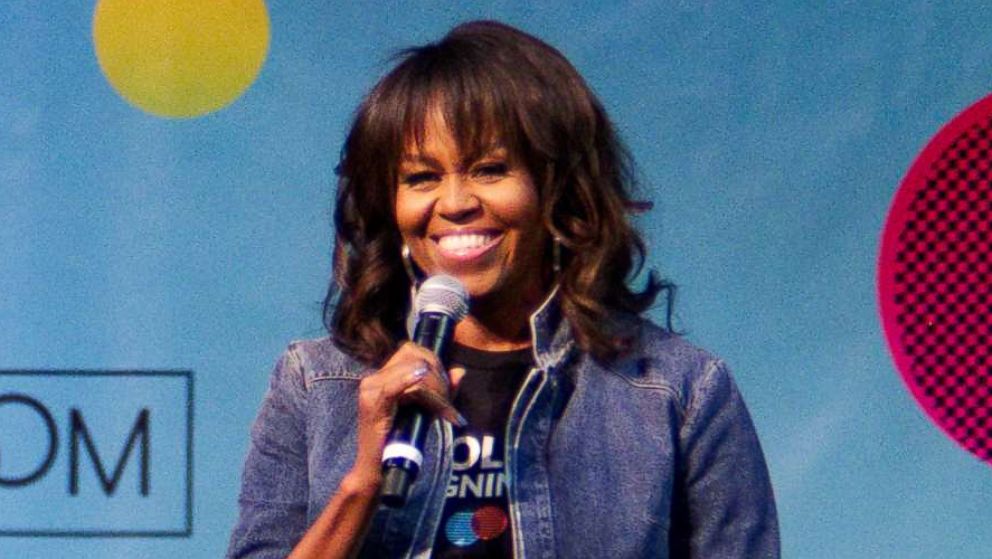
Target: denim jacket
x=651, y=455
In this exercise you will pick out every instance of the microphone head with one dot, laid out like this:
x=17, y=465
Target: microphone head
x=442, y=294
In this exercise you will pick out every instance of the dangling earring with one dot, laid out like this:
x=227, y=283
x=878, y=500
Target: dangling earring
x=556, y=255
x=411, y=317
x=408, y=264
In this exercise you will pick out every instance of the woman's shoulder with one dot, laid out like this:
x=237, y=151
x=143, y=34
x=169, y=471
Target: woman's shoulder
x=660, y=358
x=320, y=358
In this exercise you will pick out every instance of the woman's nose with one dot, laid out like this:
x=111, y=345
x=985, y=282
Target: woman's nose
x=457, y=200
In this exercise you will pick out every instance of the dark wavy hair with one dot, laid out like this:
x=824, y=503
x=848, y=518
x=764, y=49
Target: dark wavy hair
x=491, y=81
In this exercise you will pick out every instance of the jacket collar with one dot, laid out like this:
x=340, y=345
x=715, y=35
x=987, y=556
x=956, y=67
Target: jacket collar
x=550, y=334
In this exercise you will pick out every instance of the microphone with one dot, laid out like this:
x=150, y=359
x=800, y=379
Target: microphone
x=440, y=303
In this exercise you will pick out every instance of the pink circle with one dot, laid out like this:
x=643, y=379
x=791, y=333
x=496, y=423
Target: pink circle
x=934, y=278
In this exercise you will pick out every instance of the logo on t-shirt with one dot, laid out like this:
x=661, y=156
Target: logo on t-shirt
x=477, y=474
x=478, y=489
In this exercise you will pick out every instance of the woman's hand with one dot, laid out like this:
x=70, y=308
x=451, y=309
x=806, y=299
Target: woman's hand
x=412, y=375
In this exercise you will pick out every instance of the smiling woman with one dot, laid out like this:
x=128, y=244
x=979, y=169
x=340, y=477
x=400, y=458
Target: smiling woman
x=478, y=220
x=488, y=87
x=485, y=156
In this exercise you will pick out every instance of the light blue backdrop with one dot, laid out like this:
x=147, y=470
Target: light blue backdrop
x=771, y=139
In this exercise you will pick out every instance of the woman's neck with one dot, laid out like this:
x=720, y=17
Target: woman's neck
x=501, y=325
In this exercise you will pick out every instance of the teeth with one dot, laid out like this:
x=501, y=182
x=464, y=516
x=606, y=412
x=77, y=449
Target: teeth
x=456, y=243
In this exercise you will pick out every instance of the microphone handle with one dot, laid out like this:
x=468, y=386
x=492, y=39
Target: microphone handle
x=403, y=455
x=434, y=331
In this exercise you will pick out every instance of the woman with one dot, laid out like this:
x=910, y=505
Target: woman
x=577, y=428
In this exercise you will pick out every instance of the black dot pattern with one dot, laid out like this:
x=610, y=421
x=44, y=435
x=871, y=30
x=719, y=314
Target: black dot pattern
x=943, y=289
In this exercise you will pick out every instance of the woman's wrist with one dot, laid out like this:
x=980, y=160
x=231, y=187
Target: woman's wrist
x=364, y=482
x=340, y=528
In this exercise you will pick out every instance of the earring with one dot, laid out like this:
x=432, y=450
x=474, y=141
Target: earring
x=556, y=255
x=408, y=264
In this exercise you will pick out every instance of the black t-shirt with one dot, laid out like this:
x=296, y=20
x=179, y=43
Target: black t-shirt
x=476, y=521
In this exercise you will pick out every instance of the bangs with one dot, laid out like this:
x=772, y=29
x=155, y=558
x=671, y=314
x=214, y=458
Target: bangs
x=470, y=93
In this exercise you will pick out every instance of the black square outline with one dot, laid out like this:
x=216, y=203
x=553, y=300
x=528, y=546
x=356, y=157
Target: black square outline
x=188, y=529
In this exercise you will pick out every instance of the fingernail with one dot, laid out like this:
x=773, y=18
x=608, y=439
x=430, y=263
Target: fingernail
x=420, y=371
x=460, y=420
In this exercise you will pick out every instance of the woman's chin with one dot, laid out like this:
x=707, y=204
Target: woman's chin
x=502, y=297
x=478, y=289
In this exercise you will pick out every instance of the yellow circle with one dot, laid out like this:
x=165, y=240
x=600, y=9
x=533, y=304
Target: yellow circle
x=181, y=58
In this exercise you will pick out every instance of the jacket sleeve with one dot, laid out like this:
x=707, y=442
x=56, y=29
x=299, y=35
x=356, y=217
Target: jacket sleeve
x=724, y=506
x=274, y=486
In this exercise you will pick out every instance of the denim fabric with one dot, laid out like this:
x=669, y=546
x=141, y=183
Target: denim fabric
x=652, y=455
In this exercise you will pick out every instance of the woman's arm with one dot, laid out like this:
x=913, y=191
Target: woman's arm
x=275, y=491
x=724, y=506
x=341, y=527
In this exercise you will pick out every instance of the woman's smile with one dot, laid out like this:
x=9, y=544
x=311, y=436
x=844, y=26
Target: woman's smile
x=466, y=246
x=476, y=219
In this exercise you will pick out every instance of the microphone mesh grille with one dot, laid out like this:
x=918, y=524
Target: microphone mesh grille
x=442, y=294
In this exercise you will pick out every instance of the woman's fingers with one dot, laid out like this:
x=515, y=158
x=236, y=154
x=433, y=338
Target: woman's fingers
x=406, y=377
x=379, y=393
x=412, y=375
x=455, y=375
x=434, y=394
x=433, y=402
x=410, y=351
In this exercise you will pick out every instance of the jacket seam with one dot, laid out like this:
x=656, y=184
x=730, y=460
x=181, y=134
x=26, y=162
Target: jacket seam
x=331, y=376
x=662, y=387
x=516, y=445
x=297, y=366
x=304, y=422
x=696, y=395
x=242, y=500
x=346, y=369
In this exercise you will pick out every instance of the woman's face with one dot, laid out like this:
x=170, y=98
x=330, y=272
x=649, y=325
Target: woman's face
x=477, y=220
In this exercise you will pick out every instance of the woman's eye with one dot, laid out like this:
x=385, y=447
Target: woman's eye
x=491, y=172
x=420, y=179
